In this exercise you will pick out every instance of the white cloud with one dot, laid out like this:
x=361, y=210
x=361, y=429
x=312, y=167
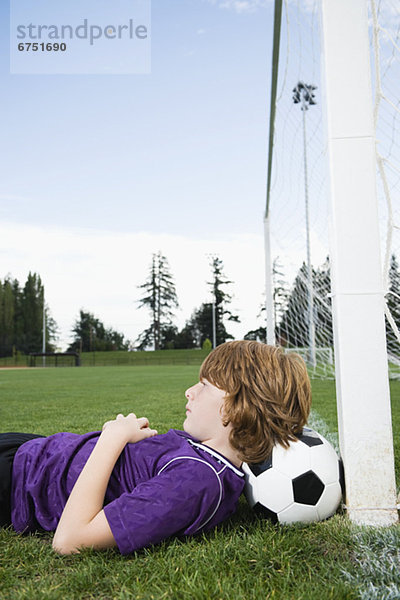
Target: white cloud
x=241, y=6
x=100, y=271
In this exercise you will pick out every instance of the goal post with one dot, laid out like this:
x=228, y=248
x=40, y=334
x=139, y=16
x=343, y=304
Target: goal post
x=365, y=428
x=269, y=292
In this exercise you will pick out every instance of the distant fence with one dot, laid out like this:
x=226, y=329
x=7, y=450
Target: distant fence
x=54, y=359
x=106, y=359
x=16, y=360
x=144, y=358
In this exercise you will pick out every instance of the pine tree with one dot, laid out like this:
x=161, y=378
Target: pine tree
x=393, y=304
x=8, y=316
x=200, y=326
x=161, y=299
x=2, y=344
x=293, y=327
x=222, y=299
x=18, y=335
x=323, y=306
x=32, y=313
x=187, y=337
x=259, y=334
x=90, y=335
x=21, y=317
x=280, y=300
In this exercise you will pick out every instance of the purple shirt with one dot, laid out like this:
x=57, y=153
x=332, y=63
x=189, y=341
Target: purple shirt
x=166, y=485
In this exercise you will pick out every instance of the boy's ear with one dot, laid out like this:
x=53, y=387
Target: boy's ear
x=224, y=419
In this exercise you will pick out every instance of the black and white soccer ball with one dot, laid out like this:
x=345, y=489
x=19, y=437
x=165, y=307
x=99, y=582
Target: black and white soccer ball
x=303, y=483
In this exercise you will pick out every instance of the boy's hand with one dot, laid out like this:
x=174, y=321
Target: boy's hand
x=83, y=523
x=131, y=428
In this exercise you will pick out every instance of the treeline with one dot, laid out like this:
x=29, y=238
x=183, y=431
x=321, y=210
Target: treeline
x=292, y=308
x=291, y=305
x=21, y=317
x=158, y=295
x=160, y=298
x=22, y=306
x=291, y=302
x=21, y=322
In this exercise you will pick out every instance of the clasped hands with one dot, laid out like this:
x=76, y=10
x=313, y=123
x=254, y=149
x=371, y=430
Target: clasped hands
x=131, y=428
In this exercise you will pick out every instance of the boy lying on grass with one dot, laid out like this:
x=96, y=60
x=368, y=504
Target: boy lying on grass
x=129, y=487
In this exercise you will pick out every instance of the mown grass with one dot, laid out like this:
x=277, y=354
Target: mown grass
x=117, y=358
x=244, y=558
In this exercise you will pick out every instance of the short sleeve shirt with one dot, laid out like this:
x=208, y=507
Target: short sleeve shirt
x=166, y=485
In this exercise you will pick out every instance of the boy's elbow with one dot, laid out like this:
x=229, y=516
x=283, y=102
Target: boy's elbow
x=71, y=540
x=63, y=545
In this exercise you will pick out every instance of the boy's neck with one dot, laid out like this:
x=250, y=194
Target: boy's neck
x=226, y=450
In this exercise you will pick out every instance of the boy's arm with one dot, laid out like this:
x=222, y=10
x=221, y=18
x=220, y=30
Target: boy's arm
x=83, y=522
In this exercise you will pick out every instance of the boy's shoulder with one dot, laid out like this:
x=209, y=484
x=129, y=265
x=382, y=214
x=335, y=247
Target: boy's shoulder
x=185, y=449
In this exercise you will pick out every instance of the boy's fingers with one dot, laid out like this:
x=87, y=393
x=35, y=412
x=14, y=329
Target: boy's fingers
x=151, y=432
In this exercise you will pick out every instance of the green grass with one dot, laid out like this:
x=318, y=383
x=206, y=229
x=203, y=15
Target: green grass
x=145, y=358
x=118, y=358
x=243, y=559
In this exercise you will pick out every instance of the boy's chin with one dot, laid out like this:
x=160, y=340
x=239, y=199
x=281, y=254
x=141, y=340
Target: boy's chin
x=188, y=429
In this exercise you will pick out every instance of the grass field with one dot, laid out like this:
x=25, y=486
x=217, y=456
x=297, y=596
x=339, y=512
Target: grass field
x=112, y=359
x=243, y=559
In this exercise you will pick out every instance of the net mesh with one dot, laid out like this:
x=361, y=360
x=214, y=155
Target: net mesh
x=385, y=64
x=299, y=135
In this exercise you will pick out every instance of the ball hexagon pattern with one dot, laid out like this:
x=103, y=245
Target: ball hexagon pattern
x=302, y=483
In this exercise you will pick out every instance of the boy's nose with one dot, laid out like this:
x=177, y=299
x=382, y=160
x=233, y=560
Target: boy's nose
x=190, y=392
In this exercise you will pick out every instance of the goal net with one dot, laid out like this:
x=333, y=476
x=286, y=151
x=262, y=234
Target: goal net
x=385, y=62
x=297, y=198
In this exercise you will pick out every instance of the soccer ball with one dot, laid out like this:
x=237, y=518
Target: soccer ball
x=303, y=483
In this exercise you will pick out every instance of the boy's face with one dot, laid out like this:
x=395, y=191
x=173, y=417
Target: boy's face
x=204, y=412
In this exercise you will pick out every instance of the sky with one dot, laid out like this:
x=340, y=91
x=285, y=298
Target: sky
x=99, y=171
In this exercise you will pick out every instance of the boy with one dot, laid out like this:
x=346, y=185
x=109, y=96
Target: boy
x=130, y=487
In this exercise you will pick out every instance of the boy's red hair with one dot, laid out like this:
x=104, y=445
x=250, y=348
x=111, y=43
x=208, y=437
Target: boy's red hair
x=268, y=395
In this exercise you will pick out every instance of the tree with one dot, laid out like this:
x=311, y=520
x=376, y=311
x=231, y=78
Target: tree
x=293, y=327
x=200, y=325
x=168, y=337
x=222, y=299
x=90, y=334
x=32, y=299
x=280, y=299
x=21, y=317
x=31, y=303
x=259, y=334
x=393, y=304
x=19, y=325
x=186, y=338
x=7, y=317
x=323, y=305
x=160, y=298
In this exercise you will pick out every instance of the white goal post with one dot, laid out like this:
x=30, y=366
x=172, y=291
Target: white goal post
x=365, y=428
